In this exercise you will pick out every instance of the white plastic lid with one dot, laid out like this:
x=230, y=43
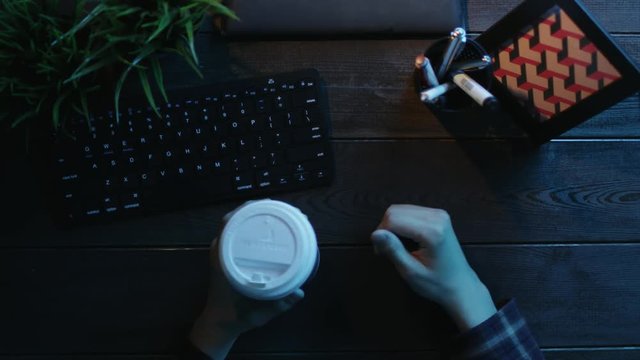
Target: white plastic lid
x=268, y=249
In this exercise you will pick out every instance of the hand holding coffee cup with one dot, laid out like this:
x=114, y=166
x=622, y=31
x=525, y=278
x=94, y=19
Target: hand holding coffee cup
x=266, y=251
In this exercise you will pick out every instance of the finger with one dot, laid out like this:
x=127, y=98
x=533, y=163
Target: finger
x=289, y=301
x=294, y=297
x=414, y=222
x=386, y=243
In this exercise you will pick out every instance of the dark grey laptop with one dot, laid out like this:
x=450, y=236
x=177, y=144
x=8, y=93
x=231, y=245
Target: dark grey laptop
x=336, y=17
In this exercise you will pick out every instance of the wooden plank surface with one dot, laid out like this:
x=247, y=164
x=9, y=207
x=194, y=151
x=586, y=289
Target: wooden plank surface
x=625, y=353
x=619, y=16
x=128, y=301
x=615, y=16
x=563, y=192
x=371, y=88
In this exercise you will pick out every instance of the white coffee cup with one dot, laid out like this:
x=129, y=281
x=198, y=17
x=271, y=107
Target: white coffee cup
x=268, y=249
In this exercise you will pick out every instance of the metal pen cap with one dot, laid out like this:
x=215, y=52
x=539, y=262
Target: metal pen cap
x=471, y=65
x=457, y=39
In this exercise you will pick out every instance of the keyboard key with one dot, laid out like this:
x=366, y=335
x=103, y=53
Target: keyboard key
x=301, y=177
x=241, y=163
x=147, y=179
x=257, y=123
x=264, y=179
x=277, y=121
x=70, y=178
x=165, y=175
x=307, y=135
x=184, y=172
x=225, y=147
x=206, y=150
x=280, y=103
x=275, y=158
x=278, y=139
x=259, y=160
x=130, y=181
x=305, y=98
x=244, y=144
x=262, y=105
x=183, y=135
x=110, y=184
x=131, y=201
x=220, y=166
x=200, y=169
x=280, y=176
x=320, y=174
x=306, y=153
x=243, y=181
x=110, y=204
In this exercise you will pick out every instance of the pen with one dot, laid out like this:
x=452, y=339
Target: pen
x=429, y=96
x=457, y=39
x=475, y=90
x=428, y=74
x=471, y=65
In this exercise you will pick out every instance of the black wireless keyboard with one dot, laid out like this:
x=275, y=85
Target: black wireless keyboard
x=244, y=139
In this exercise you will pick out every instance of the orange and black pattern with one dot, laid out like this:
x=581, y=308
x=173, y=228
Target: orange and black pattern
x=552, y=65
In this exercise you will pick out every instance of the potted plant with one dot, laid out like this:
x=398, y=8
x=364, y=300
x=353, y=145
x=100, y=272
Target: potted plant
x=55, y=56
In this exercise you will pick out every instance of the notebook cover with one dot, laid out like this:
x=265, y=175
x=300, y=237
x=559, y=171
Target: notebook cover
x=344, y=17
x=555, y=66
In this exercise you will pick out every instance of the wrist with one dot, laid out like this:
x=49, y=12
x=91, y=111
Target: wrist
x=212, y=338
x=471, y=305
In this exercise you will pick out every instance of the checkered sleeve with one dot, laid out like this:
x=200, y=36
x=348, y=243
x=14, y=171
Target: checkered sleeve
x=504, y=336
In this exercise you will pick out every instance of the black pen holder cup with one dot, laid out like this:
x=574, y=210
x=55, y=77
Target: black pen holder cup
x=456, y=102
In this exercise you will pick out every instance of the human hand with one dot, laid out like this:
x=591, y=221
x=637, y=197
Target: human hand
x=228, y=314
x=438, y=270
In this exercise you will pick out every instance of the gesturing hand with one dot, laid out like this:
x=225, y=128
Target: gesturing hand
x=438, y=270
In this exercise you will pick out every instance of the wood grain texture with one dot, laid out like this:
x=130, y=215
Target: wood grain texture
x=371, y=88
x=615, y=16
x=564, y=192
x=143, y=301
x=565, y=354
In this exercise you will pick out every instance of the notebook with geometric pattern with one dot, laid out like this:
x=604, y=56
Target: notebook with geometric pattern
x=555, y=67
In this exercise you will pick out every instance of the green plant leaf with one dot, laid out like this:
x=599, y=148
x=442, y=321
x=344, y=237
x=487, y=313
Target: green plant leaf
x=186, y=55
x=219, y=8
x=88, y=70
x=127, y=11
x=22, y=118
x=84, y=22
x=188, y=28
x=146, y=51
x=144, y=81
x=55, y=111
x=84, y=105
x=116, y=95
x=163, y=22
x=157, y=74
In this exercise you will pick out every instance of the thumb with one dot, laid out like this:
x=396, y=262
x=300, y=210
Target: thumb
x=289, y=301
x=387, y=243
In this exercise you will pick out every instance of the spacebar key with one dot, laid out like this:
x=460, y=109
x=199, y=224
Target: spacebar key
x=306, y=153
x=181, y=195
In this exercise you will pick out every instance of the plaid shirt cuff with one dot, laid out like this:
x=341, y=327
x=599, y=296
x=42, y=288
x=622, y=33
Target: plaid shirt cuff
x=505, y=335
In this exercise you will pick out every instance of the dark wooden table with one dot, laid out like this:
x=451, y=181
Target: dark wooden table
x=556, y=227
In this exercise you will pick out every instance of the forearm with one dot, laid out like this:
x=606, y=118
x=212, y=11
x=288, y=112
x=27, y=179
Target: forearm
x=471, y=305
x=212, y=339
